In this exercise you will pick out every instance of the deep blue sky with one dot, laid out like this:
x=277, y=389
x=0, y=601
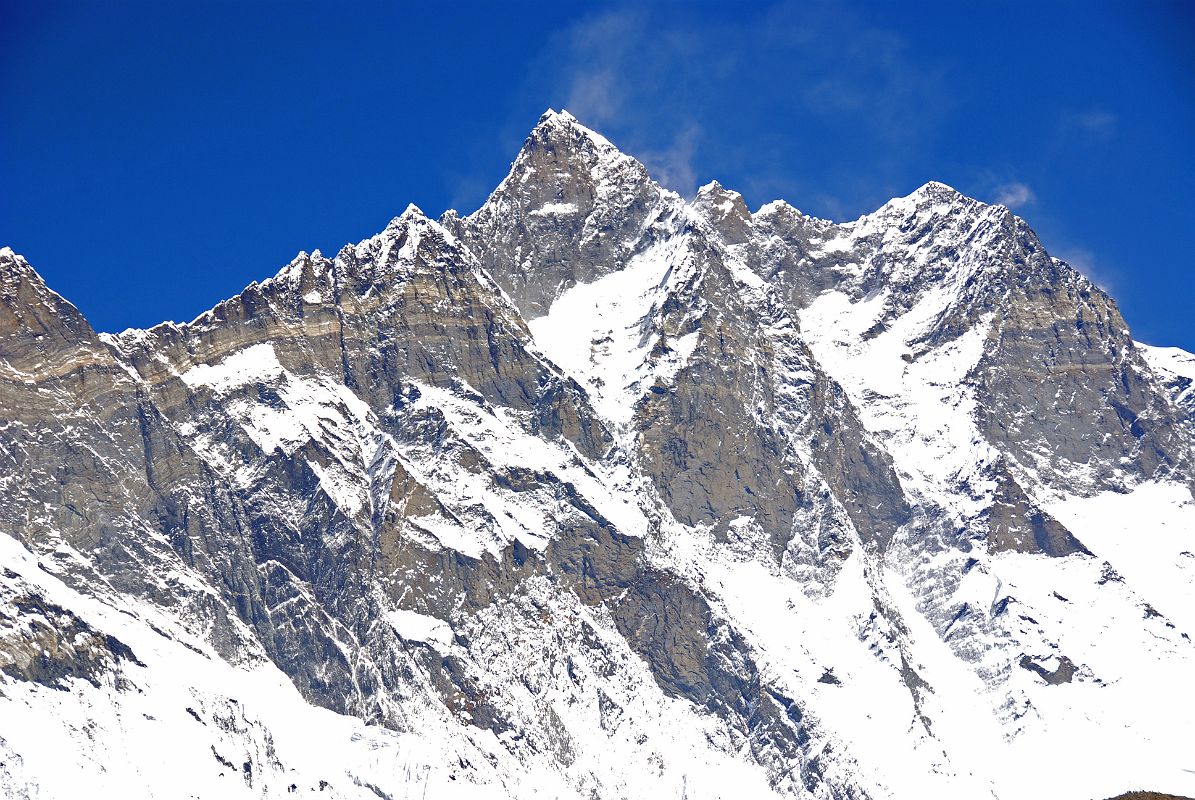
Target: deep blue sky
x=156, y=157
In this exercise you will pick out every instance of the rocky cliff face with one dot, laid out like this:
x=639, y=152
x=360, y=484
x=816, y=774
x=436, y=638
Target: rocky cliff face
x=597, y=492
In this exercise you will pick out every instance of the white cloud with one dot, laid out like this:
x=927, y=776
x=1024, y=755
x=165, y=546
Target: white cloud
x=673, y=167
x=659, y=83
x=613, y=68
x=594, y=96
x=596, y=53
x=1085, y=262
x=1096, y=123
x=1014, y=195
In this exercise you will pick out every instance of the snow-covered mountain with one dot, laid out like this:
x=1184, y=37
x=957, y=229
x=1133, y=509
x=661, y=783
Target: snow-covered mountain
x=600, y=493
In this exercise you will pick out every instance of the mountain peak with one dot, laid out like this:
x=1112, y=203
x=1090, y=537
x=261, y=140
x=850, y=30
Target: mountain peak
x=406, y=232
x=721, y=203
x=561, y=124
x=559, y=156
x=934, y=197
x=411, y=214
x=11, y=260
x=552, y=115
x=937, y=192
x=568, y=145
x=29, y=308
x=937, y=188
x=14, y=270
x=572, y=202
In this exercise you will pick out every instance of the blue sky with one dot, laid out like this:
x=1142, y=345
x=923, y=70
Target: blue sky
x=155, y=158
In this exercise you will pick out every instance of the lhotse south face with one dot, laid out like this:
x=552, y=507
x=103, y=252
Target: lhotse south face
x=599, y=492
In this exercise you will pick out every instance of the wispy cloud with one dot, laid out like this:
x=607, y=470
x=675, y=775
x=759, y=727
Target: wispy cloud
x=615, y=68
x=1093, y=123
x=860, y=72
x=673, y=166
x=595, y=96
x=666, y=86
x=1086, y=262
x=1014, y=195
x=595, y=55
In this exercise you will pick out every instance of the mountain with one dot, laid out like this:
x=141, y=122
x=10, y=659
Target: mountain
x=598, y=492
